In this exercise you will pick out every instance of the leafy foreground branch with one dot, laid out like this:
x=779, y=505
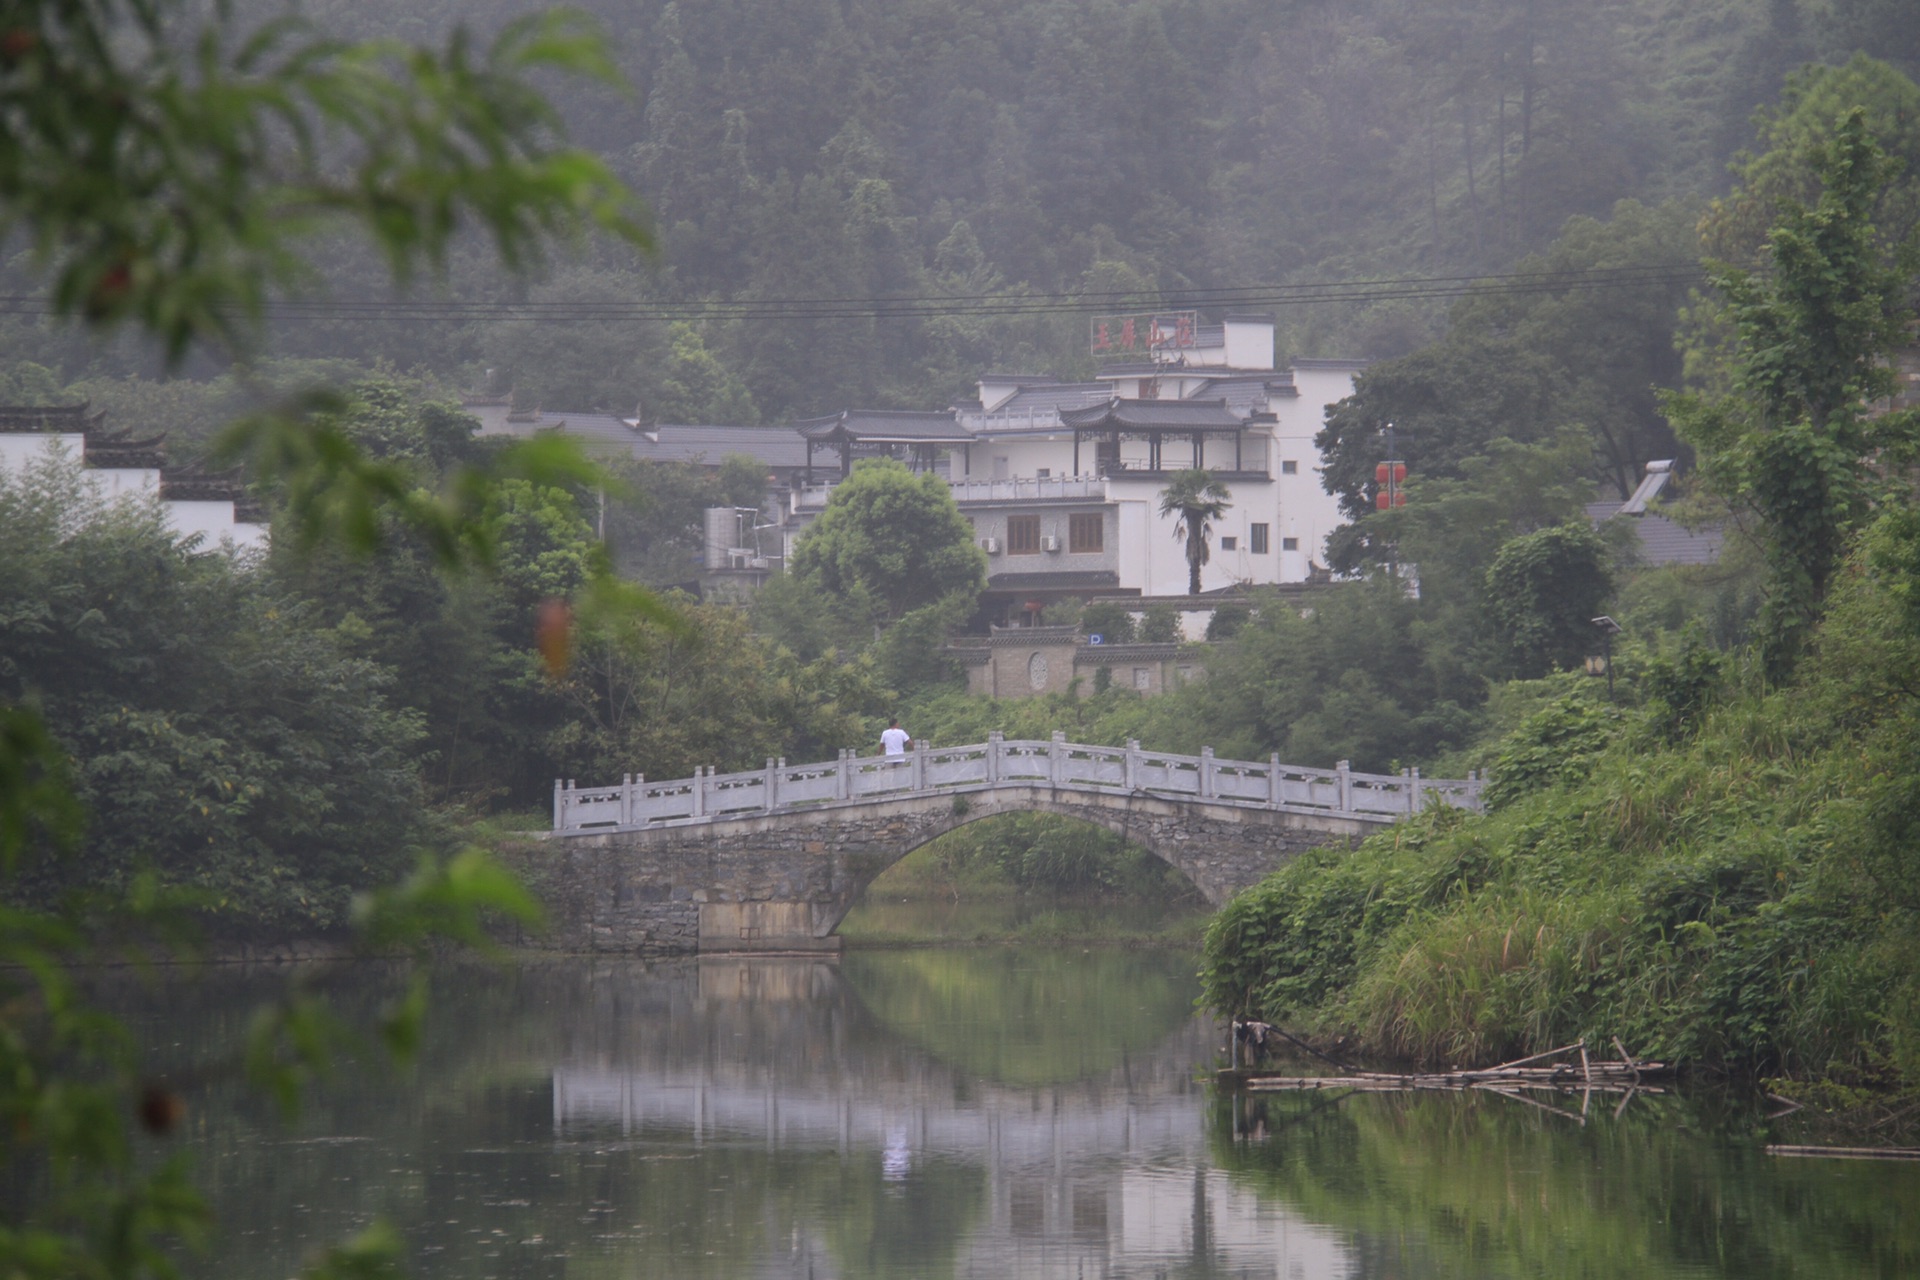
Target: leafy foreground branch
x=169, y=171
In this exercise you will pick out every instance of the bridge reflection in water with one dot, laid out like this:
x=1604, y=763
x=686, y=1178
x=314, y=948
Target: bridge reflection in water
x=1106, y=1175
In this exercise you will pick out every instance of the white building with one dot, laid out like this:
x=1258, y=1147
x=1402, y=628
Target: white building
x=117, y=465
x=1062, y=480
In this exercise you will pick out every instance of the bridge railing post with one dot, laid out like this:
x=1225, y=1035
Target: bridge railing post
x=1273, y=781
x=699, y=791
x=1057, y=757
x=994, y=739
x=559, y=806
x=1130, y=765
x=1206, y=773
x=1343, y=781
x=770, y=789
x=844, y=784
x=1413, y=790
x=919, y=764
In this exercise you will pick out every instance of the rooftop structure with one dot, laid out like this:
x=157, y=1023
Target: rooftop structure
x=212, y=506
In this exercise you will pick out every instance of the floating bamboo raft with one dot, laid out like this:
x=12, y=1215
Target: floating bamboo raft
x=1557, y=1069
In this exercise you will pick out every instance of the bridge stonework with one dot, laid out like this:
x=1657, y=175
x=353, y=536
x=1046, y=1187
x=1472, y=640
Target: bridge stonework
x=783, y=881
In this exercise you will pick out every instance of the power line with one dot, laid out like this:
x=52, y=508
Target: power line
x=929, y=306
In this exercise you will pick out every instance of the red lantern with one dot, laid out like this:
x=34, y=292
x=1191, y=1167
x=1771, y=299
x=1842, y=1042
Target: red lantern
x=1390, y=472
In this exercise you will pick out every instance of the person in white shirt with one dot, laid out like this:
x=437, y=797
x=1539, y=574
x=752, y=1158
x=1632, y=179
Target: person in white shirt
x=894, y=741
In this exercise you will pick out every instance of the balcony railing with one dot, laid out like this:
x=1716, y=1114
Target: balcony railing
x=1030, y=489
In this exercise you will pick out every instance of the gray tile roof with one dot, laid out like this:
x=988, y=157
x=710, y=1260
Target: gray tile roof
x=775, y=446
x=1661, y=541
x=1248, y=393
x=892, y=425
x=598, y=433
x=1056, y=396
x=609, y=436
x=58, y=419
x=1171, y=415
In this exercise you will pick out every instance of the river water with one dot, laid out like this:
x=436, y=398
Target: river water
x=962, y=1112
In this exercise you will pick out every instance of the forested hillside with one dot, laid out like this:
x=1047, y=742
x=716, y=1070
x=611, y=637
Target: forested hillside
x=1050, y=153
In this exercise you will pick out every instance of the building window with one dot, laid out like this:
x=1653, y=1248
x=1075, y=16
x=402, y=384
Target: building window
x=1230, y=544
x=1288, y=467
x=1257, y=539
x=1043, y=473
x=1023, y=535
x=1086, y=531
x=1143, y=678
x=1149, y=389
x=1289, y=544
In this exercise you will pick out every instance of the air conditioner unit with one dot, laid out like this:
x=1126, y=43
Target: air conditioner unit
x=738, y=558
x=990, y=545
x=758, y=562
x=1049, y=543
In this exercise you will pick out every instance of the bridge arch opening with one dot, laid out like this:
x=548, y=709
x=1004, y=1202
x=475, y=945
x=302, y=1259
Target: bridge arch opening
x=1025, y=873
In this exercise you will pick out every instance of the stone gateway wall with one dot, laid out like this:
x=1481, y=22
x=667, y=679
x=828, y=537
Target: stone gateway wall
x=784, y=881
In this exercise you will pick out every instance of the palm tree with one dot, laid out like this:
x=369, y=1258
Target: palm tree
x=1198, y=499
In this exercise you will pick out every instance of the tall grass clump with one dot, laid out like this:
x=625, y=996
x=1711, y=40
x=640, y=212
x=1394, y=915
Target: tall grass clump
x=1736, y=887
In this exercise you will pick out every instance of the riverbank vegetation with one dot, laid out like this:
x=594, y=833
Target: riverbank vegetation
x=1720, y=873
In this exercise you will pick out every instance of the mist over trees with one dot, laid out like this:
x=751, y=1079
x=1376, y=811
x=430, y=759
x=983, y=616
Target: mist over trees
x=801, y=149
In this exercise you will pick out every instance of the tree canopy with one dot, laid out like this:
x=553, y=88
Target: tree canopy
x=891, y=541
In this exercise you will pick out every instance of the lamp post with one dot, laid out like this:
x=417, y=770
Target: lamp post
x=1608, y=630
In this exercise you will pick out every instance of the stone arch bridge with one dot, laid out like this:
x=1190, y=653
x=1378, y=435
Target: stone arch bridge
x=772, y=859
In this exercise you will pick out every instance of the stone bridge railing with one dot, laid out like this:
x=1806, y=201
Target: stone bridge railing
x=999, y=762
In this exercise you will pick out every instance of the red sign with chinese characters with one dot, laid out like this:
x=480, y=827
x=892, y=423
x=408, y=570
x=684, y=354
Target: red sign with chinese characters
x=1145, y=333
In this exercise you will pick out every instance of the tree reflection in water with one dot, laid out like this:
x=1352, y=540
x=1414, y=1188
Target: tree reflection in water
x=970, y=1113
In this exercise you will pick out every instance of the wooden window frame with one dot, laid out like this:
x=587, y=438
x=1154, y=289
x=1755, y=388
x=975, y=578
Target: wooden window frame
x=1023, y=535
x=1079, y=525
x=1258, y=542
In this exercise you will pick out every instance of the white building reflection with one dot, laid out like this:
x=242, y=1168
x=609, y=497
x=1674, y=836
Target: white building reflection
x=1106, y=1178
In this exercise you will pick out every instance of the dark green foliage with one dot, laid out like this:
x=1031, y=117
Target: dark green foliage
x=1159, y=624
x=1530, y=367
x=909, y=654
x=1681, y=689
x=1555, y=747
x=1351, y=681
x=1742, y=895
x=699, y=690
x=1544, y=590
x=1227, y=621
x=1810, y=341
x=1111, y=620
x=890, y=542
x=1039, y=851
x=221, y=741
